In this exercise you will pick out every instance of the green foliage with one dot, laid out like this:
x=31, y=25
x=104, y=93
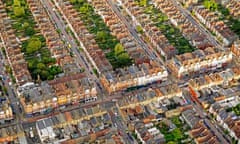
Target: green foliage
x=34, y=44
x=171, y=142
x=177, y=134
x=235, y=109
x=210, y=4
x=36, y=54
x=73, y=1
x=173, y=136
x=143, y=2
x=25, y=25
x=16, y=3
x=233, y=24
x=118, y=49
x=95, y=72
x=139, y=29
x=223, y=10
x=101, y=36
x=177, y=121
x=41, y=66
x=104, y=38
x=173, y=34
x=123, y=57
x=29, y=31
x=18, y=11
x=85, y=8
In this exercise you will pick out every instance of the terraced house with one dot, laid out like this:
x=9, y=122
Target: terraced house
x=6, y=112
x=210, y=19
x=236, y=48
x=56, y=93
x=54, y=43
x=13, y=50
x=119, y=30
x=158, y=40
x=233, y=6
x=144, y=72
x=87, y=41
x=188, y=29
x=71, y=87
x=199, y=61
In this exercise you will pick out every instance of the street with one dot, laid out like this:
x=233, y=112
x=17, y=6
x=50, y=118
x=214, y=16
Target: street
x=14, y=101
x=202, y=29
x=83, y=62
x=119, y=124
x=81, y=57
x=60, y=24
x=203, y=115
x=132, y=31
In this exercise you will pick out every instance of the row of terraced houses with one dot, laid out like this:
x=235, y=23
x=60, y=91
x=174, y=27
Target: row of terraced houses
x=145, y=71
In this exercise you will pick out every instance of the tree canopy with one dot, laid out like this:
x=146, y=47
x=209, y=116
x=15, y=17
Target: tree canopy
x=18, y=11
x=101, y=36
x=143, y=2
x=118, y=49
x=210, y=4
x=34, y=44
x=139, y=29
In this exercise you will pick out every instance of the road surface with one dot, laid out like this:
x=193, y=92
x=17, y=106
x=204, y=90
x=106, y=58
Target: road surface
x=202, y=29
x=203, y=115
x=132, y=30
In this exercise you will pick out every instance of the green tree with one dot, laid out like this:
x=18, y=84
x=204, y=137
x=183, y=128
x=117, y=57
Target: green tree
x=84, y=8
x=34, y=44
x=25, y=25
x=41, y=66
x=44, y=75
x=29, y=31
x=54, y=70
x=32, y=64
x=101, y=36
x=118, y=49
x=210, y=4
x=139, y=29
x=123, y=57
x=73, y=1
x=177, y=134
x=18, y=11
x=143, y=2
x=16, y=3
x=171, y=142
